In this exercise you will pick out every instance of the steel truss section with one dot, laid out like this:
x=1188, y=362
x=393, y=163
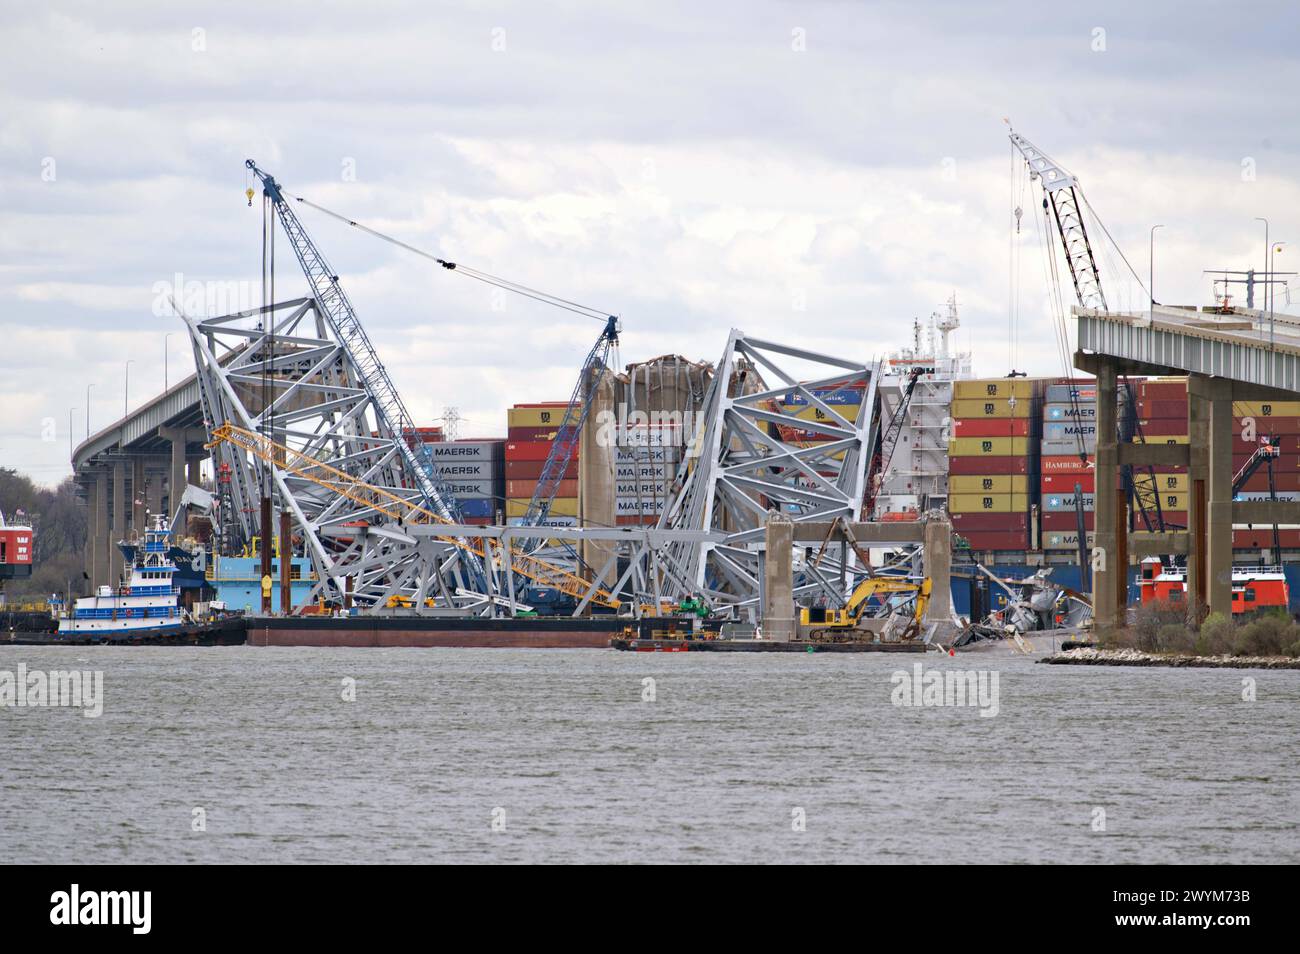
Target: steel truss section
x=635, y=573
x=306, y=392
x=751, y=454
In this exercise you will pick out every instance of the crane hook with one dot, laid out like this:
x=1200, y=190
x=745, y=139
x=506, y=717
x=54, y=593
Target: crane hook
x=249, y=193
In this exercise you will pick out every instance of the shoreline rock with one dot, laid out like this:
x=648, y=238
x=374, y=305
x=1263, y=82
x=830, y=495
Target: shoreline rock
x=1132, y=657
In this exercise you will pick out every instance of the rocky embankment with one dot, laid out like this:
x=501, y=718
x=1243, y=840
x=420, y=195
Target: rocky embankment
x=1132, y=657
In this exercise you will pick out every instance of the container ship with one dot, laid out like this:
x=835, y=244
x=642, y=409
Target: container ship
x=1022, y=484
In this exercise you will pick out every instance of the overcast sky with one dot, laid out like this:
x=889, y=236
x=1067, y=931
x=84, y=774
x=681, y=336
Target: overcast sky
x=817, y=173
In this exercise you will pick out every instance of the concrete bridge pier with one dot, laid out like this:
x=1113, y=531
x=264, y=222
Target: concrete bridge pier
x=778, y=579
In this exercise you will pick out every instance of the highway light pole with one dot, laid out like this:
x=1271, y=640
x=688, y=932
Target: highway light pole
x=1151, y=270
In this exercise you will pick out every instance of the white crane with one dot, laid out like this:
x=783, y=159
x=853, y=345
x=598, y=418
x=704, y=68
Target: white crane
x=1064, y=198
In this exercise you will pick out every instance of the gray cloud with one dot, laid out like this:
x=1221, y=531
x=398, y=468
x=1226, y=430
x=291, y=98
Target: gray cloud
x=681, y=164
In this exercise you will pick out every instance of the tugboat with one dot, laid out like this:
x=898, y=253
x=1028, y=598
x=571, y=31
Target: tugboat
x=145, y=603
x=1254, y=589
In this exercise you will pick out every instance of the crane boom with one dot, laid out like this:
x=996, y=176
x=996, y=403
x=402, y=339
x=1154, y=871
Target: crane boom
x=570, y=430
x=390, y=412
x=1061, y=194
x=396, y=507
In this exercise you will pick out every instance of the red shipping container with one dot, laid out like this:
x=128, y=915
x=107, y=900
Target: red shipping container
x=991, y=427
x=532, y=470
x=1261, y=538
x=1162, y=409
x=530, y=450
x=1289, y=444
x=1064, y=483
x=963, y=466
x=1286, y=464
x=635, y=521
x=526, y=488
x=1066, y=464
x=985, y=522
x=531, y=433
x=1269, y=425
x=1258, y=483
x=1163, y=427
x=1163, y=390
x=1059, y=521
x=996, y=541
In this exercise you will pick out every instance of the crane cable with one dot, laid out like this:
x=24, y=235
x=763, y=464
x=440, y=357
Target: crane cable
x=469, y=272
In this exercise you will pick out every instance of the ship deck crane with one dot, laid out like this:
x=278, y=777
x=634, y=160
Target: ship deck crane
x=889, y=440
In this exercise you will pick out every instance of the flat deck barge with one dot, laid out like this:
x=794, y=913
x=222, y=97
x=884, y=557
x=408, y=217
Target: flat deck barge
x=430, y=632
x=759, y=646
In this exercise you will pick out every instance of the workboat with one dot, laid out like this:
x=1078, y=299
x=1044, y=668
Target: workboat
x=146, y=600
x=1254, y=588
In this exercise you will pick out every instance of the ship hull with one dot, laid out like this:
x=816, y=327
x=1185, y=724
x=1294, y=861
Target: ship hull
x=427, y=633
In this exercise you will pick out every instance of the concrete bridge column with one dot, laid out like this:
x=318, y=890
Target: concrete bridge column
x=137, y=495
x=1219, y=497
x=99, y=569
x=176, y=473
x=154, y=484
x=778, y=579
x=89, y=551
x=118, y=511
x=1108, y=579
x=1198, y=435
x=938, y=567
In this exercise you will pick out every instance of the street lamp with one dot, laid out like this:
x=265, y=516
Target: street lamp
x=126, y=385
x=1151, y=273
x=1272, y=295
x=70, y=449
x=88, y=387
x=165, y=376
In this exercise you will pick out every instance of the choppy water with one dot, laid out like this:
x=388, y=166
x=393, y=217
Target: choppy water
x=584, y=770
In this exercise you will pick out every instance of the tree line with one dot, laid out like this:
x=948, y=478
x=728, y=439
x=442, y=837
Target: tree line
x=58, y=522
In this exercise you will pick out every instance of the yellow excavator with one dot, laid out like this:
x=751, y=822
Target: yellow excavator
x=850, y=622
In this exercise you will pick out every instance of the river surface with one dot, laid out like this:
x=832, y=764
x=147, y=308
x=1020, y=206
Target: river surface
x=459, y=755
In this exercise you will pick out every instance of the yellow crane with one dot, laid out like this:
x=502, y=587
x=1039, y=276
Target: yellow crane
x=844, y=622
x=398, y=508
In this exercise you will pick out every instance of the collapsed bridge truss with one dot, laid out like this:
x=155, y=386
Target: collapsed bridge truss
x=754, y=452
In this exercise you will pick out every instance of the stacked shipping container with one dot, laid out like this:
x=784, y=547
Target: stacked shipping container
x=992, y=460
x=645, y=463
x=531, y=432
x=1068, y=451
x=474, y=472
x=1253, y=421
x=1161, y=405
